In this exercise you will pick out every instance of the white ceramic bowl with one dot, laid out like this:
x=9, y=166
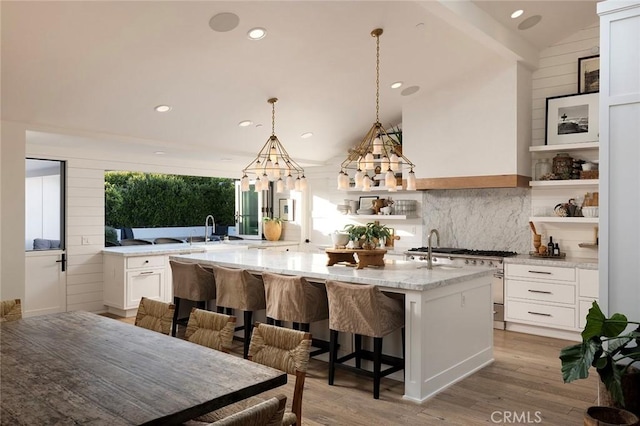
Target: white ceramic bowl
x=339, y=239
x=590, y=211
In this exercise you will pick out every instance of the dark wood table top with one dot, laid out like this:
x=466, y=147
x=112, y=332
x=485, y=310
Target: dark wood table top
x=82, y=368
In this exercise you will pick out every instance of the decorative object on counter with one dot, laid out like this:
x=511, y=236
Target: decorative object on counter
x=544, y=254
x=405, y=207
x=365, y=257
x=391, y=239
x=272, y=228
x=366, y=203
x=572, y=119
x=590, y=211
x=354, y=205
x=370, y=235
x=613, y=351
x=273, y=164
x=589, y=74
x=537, y=238
x=590, y=174
x=569, y=209
x=340, y=239
x=377, y=150
x=386, y=210
x=343, y=208
x=562, y=166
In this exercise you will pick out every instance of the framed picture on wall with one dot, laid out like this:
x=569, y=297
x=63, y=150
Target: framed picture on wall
x=286, y=209
x=572, y=119
x=589, y=74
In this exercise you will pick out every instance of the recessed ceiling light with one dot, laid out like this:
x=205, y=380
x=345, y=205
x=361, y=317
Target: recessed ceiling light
x=163, y=108
x=159, y=153
x=410, y=90
x=396, y=84
x=245, y=123
x=529, y=22
x=223, y=22
x=256, y=33
x=306, y=135
x=518, y=13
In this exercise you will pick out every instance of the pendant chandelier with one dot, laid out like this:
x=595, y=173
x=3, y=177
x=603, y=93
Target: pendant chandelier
x=378, y=153
x=273, y=164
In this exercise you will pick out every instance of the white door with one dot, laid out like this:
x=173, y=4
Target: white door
x=45, y=289
x=45, y=257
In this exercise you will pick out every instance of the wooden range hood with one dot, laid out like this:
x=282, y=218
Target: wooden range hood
x=473, y=182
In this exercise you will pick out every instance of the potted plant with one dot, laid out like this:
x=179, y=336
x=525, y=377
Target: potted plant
x=611, y=350
x=272, y=228
x=369, y=235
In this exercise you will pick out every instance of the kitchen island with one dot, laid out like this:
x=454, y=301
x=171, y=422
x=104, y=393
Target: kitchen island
x=448, y=311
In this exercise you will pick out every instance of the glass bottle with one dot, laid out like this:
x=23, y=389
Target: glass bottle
x=542, y=168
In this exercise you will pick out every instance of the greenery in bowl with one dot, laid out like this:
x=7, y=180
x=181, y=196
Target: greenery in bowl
x=371, y=233
x=271, y=219
x=604, y=344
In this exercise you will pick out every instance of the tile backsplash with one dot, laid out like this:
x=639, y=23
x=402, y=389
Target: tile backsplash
x=481, y=219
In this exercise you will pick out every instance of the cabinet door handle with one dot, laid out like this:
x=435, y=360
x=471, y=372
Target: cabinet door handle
x=539, y=291
x=540, y=272
x=146, y=273
x=538, y=313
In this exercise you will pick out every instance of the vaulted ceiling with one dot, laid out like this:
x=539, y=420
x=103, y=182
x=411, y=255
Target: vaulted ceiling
x=96, y=70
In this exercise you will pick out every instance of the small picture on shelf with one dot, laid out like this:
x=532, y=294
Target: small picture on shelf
x=572, y=119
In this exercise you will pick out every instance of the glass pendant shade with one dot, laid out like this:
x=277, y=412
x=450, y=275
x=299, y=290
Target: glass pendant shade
x=280, y=185
x=411, y=181
x=377, y=146
x=368, y=161
x=244, y=183
x=390, y=180
x=303, y=183
x=366, y=183
x=357, y=179
x=394, y=162
x=290, y=183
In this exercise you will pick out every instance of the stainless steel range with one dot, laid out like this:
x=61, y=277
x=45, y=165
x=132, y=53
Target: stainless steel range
x=492, y=259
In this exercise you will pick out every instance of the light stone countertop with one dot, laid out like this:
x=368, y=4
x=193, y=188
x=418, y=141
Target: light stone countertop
x=184, y=248
x=397, y=274
x=567, y=262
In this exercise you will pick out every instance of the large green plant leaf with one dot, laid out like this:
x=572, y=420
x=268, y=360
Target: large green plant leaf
x=577, y=359
x=598, y=325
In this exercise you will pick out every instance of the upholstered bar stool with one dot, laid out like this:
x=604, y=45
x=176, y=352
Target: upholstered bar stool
x=294, y=299
x=238, y=289
x=364, y=311
x=190, y=282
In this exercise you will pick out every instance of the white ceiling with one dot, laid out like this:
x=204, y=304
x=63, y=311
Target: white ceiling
x=98, y=69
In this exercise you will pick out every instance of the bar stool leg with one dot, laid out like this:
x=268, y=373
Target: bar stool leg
x=278, y=323
x=305, y=326
x=296, y=326
x=333, y=354
x=220, y=309
x=270, y=321
x=358, y=347
x=247, y=332
x=174, y=328
x=377, y=363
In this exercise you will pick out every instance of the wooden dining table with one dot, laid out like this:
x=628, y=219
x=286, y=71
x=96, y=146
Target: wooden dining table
x=82, y=368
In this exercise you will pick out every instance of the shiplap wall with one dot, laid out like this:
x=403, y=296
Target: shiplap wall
x=558, y=75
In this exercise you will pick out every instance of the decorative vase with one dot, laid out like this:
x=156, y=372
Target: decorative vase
x=609, y=416
x=368, y=245
x=272, y=230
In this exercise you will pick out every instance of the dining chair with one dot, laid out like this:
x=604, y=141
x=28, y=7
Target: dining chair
x=191, y=282
x=266, y=413
x=281, y=348
x=134, y=242
x=363, y=310
x=211, y=329
x=296, y=300
x=10, y=310
x=239, y=289
x=155, y=315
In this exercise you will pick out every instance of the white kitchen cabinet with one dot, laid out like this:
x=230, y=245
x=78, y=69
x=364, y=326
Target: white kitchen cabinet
x=548, y=300
x=588, y=291
x=128, y=279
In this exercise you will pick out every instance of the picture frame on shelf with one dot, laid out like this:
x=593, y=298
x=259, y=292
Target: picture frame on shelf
x=287, y=211
x=572, y=119
x=589, y=74
x=366, y=202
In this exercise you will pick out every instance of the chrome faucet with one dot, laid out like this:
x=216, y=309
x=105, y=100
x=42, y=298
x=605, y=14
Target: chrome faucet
x=429, y=261
x=206, y=227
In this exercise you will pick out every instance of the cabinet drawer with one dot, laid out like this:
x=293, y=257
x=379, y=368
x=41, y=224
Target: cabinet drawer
x=544, y=292
x=145, y=262
x=541, y=272
x=534, y=313
x=588, y=282
x=149, y=284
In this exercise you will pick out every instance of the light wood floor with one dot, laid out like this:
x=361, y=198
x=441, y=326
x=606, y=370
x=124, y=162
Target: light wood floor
x=524, y=382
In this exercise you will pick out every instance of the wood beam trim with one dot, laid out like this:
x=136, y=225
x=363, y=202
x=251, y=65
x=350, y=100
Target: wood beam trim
x=469, y=182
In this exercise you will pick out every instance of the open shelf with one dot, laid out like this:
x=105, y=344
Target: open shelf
x=558, y=219
x=382, y=216
x=563, y=183
x=588, y=245
x=564, y=147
